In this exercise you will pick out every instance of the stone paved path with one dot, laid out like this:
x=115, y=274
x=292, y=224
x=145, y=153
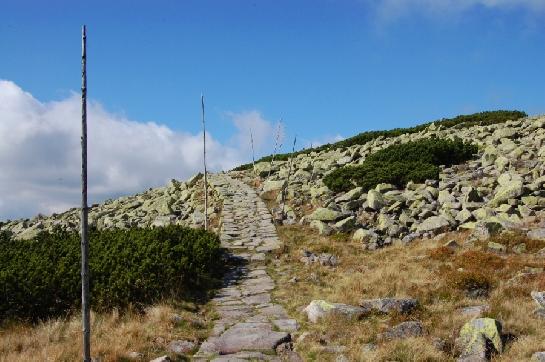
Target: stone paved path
x=249, y=327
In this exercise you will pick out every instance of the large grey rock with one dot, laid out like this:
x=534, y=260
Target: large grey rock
x=497, y=247
x=387, y=305
x=510, y=189
x=538, y=357
x=273, y=185
x=375, y=200
x=350, y=195
x=479, y=339
x=445, y=196
x=346, y=225
x=434, y=224
x=403, y=330
x=489, y=156
x=264, y=168
x=323, y=214
x=364, y=235
x=464, y=216
x=318, y=309
x=321, y=227
x=327, y=259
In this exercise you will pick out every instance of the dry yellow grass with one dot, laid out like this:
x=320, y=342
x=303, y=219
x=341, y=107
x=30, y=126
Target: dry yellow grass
x=423, y=270
x=114, y=336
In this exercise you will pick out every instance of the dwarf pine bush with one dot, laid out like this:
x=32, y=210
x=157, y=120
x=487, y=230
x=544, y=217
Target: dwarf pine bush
x=40, y=277
x=398, y=164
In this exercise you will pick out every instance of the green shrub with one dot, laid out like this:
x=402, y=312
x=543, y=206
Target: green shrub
x=462, y=121
x=398, y=164
x=434, y=151
x=40, y=278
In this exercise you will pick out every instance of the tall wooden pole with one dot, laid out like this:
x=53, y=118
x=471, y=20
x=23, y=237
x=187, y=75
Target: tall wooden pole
x=205, y=173
x=85, y=308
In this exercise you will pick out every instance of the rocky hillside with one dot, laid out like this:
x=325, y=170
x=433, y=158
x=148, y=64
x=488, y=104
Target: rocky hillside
x=178, y=203
x=502, y=187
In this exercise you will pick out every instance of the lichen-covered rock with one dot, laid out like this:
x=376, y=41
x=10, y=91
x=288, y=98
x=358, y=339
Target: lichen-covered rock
x=318, y=309
x=346, y=225
x=350, y=195
x=323, y=214
x=375, y=200
x=321, y=227
x=387, y=305
x=273, y=185
x=403, y=330
x=508, y=190
x=364, y=235
x=434, y=224
x=496, y=247
x=479, y=339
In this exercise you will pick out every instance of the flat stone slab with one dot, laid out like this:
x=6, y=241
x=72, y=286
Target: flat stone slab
x=286, y=325
x=275, y=310
x=247, y=337
x=257, y=299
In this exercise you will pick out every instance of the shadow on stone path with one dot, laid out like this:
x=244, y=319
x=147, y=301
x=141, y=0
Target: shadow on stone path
x=249, y=326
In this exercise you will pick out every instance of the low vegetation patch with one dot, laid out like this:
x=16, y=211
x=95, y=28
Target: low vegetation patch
x=115, y=336
x=437, y=276
x=40, y=278
x=398, y=164
x=462, y=121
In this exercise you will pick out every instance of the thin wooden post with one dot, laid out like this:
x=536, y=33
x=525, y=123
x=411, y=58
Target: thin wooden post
x=205, y=172
x=85, y=307
x=311, y=164
x=285, y=189
x=276, y=146
x=253, y=154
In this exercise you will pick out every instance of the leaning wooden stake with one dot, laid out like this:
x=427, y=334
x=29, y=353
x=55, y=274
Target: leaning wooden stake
x=253, y=154
x=277, y=145
x=285, y=189
x=311, y=165
x=85, y=307
x=204, y=161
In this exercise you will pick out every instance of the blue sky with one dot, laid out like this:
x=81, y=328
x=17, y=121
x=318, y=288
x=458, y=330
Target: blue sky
x=328, y=68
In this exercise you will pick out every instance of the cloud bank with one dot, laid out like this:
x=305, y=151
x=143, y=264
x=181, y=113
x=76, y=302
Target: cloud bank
x=391, y=10
x=40, y=157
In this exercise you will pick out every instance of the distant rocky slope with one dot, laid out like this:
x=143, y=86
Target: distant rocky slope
x=179, y=203
x=503, y=187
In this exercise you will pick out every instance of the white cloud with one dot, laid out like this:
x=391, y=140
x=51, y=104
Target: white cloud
x=321, y=141
x=40, y=152
x=263, y=133
x=390, y=10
